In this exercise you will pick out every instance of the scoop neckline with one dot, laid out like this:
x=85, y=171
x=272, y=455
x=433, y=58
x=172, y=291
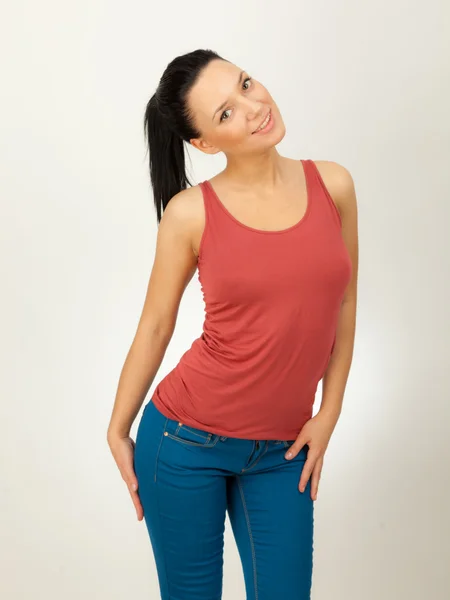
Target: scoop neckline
x=275, y=231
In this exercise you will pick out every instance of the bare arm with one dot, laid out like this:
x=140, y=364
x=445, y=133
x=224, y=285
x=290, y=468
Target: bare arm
x=342, y=188
x=317, y=431
x=174, y=265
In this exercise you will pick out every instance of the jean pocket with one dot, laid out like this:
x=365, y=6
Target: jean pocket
x=191, y=436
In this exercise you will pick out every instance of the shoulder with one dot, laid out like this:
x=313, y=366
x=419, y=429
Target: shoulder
x=183, y=208
x=338, y=181
x=181, y=204
x=184, y=217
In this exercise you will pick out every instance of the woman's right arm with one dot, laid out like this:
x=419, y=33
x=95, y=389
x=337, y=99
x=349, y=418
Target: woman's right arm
x=173, y=267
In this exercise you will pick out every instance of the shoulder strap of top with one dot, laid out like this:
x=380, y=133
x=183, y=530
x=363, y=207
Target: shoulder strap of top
x=317, y=181
x=214, y=209
x=214, y=216
x=208, y=201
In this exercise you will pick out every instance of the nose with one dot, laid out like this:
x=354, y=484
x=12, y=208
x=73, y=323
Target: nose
x=255, y=116
x=255, y=110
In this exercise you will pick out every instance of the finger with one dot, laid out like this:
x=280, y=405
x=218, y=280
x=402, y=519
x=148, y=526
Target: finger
x=129, y=476
x=137, y=504
x=294, y=449
x=306, y=472
x=315, y=480
x=132, y=484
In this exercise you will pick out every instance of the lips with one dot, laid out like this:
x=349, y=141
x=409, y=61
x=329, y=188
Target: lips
x=262, y=122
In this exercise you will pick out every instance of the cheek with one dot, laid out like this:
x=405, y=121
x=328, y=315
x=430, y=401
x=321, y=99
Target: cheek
x=235, y=133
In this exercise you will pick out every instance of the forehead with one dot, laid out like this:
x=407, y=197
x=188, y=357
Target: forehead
x=217, y=81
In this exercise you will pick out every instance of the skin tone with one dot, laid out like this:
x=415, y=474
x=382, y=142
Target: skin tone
x=255, y=178
x=252, y=160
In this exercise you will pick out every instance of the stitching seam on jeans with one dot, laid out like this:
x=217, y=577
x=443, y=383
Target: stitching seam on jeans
x=187, y=428
x=257, y=460
x=205, y=444
x=250, y=536
x=162, y=540
x=159, y=448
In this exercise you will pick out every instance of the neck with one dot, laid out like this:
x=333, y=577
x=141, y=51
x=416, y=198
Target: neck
x=263, y=170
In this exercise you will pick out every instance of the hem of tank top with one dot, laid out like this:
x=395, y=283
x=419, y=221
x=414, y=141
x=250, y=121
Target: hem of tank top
x=334, y=208
x=162, y=409
x=265, y=231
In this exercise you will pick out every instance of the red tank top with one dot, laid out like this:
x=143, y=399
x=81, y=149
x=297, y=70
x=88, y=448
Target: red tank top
x=272, y=302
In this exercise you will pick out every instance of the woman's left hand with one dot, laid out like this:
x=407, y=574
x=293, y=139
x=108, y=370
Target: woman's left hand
x=316, y=433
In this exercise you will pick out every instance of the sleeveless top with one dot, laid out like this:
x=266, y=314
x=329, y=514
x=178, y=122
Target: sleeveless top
x=272, y=302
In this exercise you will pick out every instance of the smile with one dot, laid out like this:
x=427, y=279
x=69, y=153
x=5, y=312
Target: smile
x=264, y=124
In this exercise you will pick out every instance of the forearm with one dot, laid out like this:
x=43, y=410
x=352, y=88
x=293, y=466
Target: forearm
x=141, y=365
x=336, y=375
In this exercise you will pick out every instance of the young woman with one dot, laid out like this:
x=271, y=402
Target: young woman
x=230, y=428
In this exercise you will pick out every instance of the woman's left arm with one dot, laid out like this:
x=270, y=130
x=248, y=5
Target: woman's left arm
x=317, y=431
x=342, y=189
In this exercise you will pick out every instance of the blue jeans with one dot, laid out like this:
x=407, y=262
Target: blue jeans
x=188, y=478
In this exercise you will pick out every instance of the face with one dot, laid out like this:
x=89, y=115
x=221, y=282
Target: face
x=228, y=106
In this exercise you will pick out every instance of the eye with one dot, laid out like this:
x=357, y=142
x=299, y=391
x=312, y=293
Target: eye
x=247, y=79
x=225, y=111
x=221, y=116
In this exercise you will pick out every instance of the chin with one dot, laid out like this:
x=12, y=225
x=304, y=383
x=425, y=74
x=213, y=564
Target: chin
x=274, y=137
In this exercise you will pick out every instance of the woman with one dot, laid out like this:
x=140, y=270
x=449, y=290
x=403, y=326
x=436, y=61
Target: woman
x=230, y=428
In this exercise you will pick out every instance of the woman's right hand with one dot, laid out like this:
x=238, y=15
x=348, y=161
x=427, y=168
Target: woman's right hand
x=123, y=452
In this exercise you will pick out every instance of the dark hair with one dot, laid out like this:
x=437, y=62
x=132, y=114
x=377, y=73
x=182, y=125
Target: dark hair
x=168, y=123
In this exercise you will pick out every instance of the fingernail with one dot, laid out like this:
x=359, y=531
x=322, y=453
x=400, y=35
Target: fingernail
x=134, y=486
x=288, y=455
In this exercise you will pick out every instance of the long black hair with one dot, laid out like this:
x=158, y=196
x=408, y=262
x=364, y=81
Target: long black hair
x=168, y=123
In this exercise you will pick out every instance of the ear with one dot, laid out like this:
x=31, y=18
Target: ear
x=204, y=146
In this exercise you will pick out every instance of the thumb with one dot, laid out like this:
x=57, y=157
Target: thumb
x=131, y=480
x=132, y=483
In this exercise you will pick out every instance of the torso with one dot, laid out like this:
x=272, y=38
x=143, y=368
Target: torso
x=272, y=289
x=254, y=209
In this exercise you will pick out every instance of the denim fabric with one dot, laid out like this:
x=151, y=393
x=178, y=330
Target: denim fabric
x=189, y=478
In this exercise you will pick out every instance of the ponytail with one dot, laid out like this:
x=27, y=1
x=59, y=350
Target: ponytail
x=166, y=157
x=168, y=124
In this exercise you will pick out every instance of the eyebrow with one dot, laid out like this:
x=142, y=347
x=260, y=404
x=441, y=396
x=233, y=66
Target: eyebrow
x=224, y=103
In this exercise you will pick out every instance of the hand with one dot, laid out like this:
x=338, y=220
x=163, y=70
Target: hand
x=122, y=449
x=316, y=433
